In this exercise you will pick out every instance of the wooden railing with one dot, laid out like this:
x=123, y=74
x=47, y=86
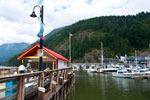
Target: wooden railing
x=8, y=70
x=48, y=80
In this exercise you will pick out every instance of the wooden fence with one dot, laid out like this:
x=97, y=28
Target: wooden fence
x=8, y=70
x=39, y=85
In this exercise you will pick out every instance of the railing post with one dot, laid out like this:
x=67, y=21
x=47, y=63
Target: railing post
x=20, y=88
x=65, y=90
x=55, y=96
x=41, y=79
x=65, y=74
x=9, y=71
x=3, y=72
x=61, y=73
x=57, y=78
x=41, y=92
x=51, y=79
x=17, y=70
x=61, y=78
x=61, y=94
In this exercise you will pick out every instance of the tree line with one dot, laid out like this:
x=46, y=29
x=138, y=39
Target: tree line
x=119, y=34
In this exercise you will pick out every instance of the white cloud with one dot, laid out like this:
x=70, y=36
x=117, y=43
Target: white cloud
x=17, y=26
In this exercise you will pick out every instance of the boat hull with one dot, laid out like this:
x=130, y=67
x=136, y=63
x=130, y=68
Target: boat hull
x=122, y=75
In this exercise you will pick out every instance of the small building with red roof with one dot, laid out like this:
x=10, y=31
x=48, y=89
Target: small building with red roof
x=50, y=58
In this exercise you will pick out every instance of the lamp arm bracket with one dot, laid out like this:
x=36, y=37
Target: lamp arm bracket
x=37, y=6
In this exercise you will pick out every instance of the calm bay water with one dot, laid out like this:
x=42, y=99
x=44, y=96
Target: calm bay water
x=95, y=86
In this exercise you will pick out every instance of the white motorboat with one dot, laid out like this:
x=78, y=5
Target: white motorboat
x=106, y=70
x=109, y=70
x=122, y=73
x=139, y=71
x=92, y=68
x=100, y=70
x=75, y=67
x=147, y=71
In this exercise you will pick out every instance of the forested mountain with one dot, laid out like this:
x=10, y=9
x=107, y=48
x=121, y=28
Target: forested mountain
x=119, y=34
x=10, y=49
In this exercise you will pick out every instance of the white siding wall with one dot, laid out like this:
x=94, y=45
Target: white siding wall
x=61, y=64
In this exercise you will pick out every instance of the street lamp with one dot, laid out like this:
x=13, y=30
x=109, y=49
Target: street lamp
x=41, y=40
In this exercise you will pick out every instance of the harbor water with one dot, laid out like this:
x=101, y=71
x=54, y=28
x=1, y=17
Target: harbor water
x=95, y=86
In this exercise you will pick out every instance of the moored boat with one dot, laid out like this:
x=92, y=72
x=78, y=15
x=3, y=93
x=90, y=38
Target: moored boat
x=122, y=73
x=92, y=69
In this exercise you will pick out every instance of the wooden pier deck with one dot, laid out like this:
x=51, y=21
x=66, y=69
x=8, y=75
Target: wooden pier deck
x=50, y=85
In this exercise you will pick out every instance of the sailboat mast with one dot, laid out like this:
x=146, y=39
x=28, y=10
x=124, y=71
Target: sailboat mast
x=135, y=58
x=102, y=57
x=148, y=58
x=148, y=65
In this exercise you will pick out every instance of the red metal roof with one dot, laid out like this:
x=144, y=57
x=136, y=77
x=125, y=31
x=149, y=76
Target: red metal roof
x=50, y=52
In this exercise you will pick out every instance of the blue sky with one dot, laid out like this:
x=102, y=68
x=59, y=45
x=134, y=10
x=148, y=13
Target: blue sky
x=17, y=26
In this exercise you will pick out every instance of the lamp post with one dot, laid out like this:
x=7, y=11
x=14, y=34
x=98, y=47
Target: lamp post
x=41, y=40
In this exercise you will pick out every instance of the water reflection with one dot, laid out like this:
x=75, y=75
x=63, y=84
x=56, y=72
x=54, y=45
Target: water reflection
x=95, y=86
